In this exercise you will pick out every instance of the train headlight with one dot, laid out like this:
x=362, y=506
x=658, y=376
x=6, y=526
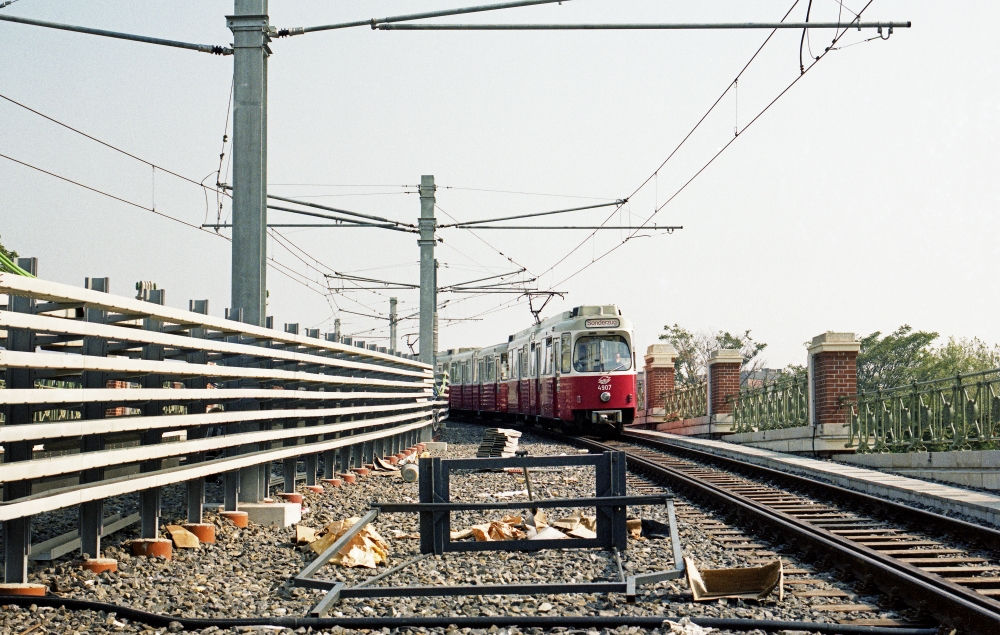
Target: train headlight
x=605, y=396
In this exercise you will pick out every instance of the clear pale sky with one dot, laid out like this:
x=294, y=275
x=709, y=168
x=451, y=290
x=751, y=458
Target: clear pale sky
x=864, y=199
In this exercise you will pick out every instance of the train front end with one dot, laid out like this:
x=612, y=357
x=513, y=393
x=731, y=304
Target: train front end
x=599, y=392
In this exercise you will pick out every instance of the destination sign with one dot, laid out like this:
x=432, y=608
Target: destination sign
x=603, y=323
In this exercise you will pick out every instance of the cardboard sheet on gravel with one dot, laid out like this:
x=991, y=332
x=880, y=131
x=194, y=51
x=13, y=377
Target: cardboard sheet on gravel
x=745, y=583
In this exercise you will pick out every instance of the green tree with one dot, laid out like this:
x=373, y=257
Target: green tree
x=893, y=360
x=963, y=356
x=694, y=349
x=7, y=252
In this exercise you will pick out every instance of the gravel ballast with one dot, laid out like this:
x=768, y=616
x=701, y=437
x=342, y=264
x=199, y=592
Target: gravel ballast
x=246, y=573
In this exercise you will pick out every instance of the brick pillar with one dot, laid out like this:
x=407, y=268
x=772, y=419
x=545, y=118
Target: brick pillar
x=659, y=373
x=723, y=379
x=833, y=373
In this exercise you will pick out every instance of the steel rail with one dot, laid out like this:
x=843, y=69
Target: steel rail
x=957, y=606
x=983, y=537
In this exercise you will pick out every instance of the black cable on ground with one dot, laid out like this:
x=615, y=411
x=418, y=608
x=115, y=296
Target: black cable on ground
x=525, y=621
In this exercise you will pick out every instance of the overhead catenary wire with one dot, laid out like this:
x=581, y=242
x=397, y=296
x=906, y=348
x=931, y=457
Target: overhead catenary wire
x=726, y=145
x=275, y=263
x=373, y=22
x=111, y=146
x=111, y=196
x=479, y=189
x=684, y=140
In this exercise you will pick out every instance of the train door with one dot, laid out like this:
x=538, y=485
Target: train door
x=564, y=386
x=489, y=401
x=503, y=382
x=536, y=359
x=466, y=386
x=477, y=378
x=555, y=378
x=524, y=403
x=546, y=398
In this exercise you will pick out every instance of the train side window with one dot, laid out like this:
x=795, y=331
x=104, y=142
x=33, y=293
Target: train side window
x=566, y=348
x=524, y=362
x=503, y=367
x=533, y=368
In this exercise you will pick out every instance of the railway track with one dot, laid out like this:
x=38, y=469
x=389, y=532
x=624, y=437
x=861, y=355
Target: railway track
x=930, y=562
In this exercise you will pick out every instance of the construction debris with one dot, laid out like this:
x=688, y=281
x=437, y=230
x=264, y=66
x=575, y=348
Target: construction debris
x=550, y=533
x=305, y=535
x=685, y=626
x=742, y=583
x=367, y=549
x=183, y=539
x=634, y=527
x=497, y=531
x=498, y=443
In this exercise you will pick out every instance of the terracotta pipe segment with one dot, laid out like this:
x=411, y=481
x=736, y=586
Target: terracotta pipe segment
x=153, y=548
x=291, y=497
x=23, y=588
x=99, y=565
x=350, y=479
x=362, y=471
x=240, y=519
x=315, y=489
x=392, y=460
x=204, y=531
x=333, y=482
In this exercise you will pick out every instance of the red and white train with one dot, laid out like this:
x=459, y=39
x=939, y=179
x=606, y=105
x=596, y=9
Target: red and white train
x=576, y=369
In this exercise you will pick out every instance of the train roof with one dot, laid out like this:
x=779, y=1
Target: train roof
x=592, y=317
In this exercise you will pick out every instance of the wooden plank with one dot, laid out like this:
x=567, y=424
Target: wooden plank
x=902, y=543
x=942, y=561
x=74, y=495
x=981, y=581
x=57, y=465
x=67, y=294
x=821, y=593
x=80, y=328
x=79, y=363
x=918, y=552
x=843, y=608
x=802, y=582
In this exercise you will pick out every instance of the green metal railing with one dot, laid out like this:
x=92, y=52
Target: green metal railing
x=956, y=413
x=783, y=403
x=689, y=402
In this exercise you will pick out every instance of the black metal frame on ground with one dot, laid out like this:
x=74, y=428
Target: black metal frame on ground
x=435, y=509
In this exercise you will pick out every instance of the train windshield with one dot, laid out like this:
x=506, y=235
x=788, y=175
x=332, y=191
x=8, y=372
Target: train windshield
x=601, y=354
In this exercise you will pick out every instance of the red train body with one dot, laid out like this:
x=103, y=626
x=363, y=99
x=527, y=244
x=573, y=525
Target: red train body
x=576, y=369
